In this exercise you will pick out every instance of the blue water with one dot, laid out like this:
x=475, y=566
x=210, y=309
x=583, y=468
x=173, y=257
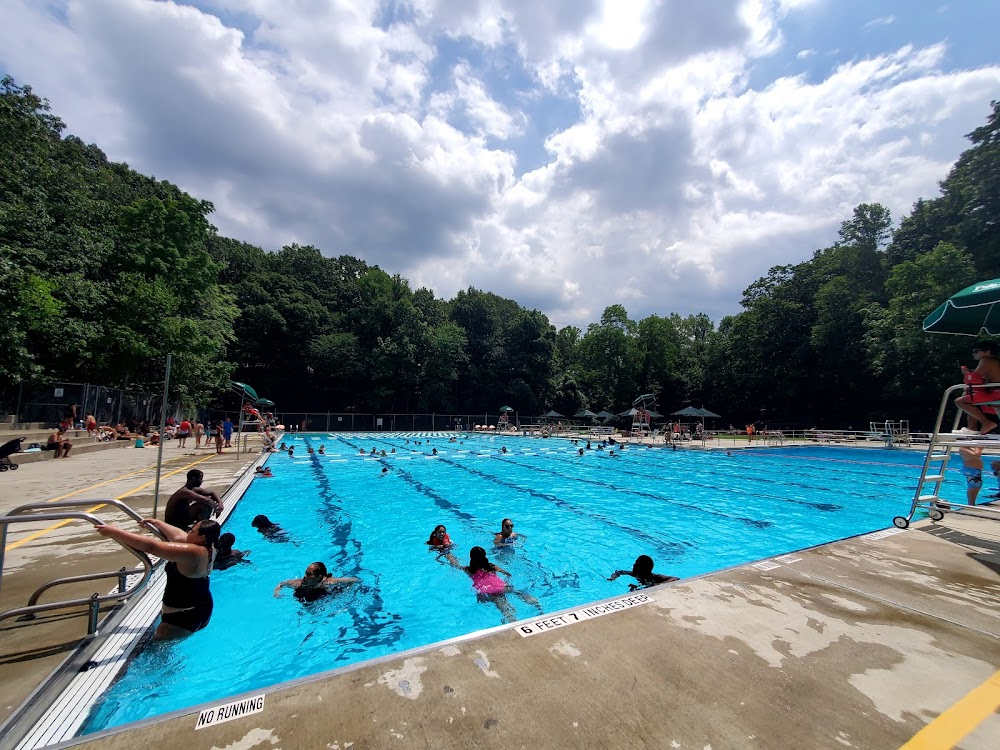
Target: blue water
x=580, y=518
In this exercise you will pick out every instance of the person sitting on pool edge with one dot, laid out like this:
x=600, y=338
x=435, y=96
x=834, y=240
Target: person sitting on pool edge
x=225, y=555
x=439, y=538
x=314, y=584
x=642, y=571
x=506, y=536
x=187, y=600
x=269, y=529
x=192, y=503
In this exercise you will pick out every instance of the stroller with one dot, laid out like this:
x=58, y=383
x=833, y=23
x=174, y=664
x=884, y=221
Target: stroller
x=6, y=450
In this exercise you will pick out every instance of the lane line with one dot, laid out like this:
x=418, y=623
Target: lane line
x=948, y=729
x=60, y=524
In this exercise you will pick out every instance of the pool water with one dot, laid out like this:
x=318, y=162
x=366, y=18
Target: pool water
x=579, y=519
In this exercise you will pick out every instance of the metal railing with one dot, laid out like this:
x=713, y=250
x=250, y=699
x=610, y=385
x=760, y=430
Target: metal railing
x=27, y=514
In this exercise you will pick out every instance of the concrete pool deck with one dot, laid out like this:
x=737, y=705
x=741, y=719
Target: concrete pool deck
x=865, y=643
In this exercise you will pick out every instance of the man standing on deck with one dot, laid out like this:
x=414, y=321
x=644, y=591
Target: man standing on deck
x=227, y=431
x=192, y=503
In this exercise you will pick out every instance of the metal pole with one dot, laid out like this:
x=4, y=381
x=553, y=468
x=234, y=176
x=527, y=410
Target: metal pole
x=17, y=411
x=242, y=399
x=163, y=431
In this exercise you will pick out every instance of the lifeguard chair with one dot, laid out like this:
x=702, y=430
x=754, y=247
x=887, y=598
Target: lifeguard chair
x=641, y=415
x=503, y=423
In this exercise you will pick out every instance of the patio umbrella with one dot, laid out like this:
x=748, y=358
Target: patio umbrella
x=584, y=413
x=688, y=411
x=264, y=402
x=552, y=414
x=505, y=409
x=641, y=400
x=246, y=390
x=969, y=312
x=629, y=412
x=653, y=414
x=706, y=413
x=604, y=415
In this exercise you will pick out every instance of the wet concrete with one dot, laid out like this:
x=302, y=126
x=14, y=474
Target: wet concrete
x=856, y=644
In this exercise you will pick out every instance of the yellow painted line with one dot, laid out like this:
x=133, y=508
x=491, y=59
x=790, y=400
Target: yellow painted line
x=948, y=729
x=109, y=481
x=60, y=524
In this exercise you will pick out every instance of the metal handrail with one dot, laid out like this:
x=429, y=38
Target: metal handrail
x=24, y=514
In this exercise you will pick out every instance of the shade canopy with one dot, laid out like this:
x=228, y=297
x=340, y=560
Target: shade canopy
x=653, y=414
x=706, y=413
x=264, y=402
x=644, y=399
x=628, y=413
x=247, y=390
x=505, y=409
x=970, y=312
x=604, y=415
x=584, y=413
x=688, y=411
x=552, y=414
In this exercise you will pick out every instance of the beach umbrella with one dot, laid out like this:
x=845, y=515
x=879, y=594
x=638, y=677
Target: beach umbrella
x=974, y=310
x=629, y=412
x=643, y=399
x=604, y=415
x=505, y=409
x=584, y=413
x=552, y=414
x=653, y=414
x=706, y=413
x=264, y=402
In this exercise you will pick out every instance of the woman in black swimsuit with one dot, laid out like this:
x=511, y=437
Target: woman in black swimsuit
x=187, y=601
x=314, y=584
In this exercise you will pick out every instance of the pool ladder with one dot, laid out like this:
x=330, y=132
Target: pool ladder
x=67, y=510
x=940, y=450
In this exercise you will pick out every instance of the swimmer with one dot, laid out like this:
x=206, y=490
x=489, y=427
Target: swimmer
x=361, y=452
x=314, y=584
x=439, y=538
x=263, y=471
x=503, y=449
x=269, y=529
x=322, y=450
x=385, y=470
x=291, y=451
x=225, y=555
x=579, y=452
x=488, y=585
x=393, y=450
x=310, y=450
x=434, y=451
x=642, y=571
x=588, y=445
x=373, y=452
x=282, y=447
x=506, y=536
x=382, y=453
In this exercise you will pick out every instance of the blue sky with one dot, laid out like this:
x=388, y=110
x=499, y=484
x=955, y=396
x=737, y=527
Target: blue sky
x=570, y=154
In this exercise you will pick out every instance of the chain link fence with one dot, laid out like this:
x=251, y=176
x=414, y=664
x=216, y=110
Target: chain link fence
x=51, y=403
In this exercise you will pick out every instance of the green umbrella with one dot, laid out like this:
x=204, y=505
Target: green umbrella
x=641, y=400
x=688, y=411
x=264, y=402
x=505, y=409
x=584, y=413
x=245, y=388
x=968, y=312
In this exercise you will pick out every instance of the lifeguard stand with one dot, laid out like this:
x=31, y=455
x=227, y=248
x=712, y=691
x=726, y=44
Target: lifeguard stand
x=640, y=422
x=503, y=423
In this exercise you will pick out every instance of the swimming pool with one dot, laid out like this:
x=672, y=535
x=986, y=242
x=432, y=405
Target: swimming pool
x=580, y=518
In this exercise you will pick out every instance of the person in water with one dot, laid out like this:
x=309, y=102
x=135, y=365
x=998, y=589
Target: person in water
x=314, y=584
x=187, y=600
x=642, y=571
x=489, y=586
x=225, y=555
x=269, y=529
x=439, y=538
x=506, y=536
x=263, y=471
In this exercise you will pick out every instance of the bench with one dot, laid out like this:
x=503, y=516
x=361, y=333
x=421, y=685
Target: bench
x=602, y=431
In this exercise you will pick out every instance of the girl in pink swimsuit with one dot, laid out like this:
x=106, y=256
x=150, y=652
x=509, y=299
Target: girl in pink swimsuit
x=488, y=585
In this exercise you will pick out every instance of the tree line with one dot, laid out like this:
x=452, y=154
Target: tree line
x=103, y=271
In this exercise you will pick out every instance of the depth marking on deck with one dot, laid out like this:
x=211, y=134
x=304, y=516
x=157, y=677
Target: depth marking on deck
x=884, y=533
x=546, y=624
x=229, y=711
x=767, y=565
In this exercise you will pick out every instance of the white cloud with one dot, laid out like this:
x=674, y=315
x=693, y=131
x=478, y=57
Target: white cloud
x=881, y=21
x=664, y=173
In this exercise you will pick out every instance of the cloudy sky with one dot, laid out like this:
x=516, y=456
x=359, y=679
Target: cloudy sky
x=569, y=154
